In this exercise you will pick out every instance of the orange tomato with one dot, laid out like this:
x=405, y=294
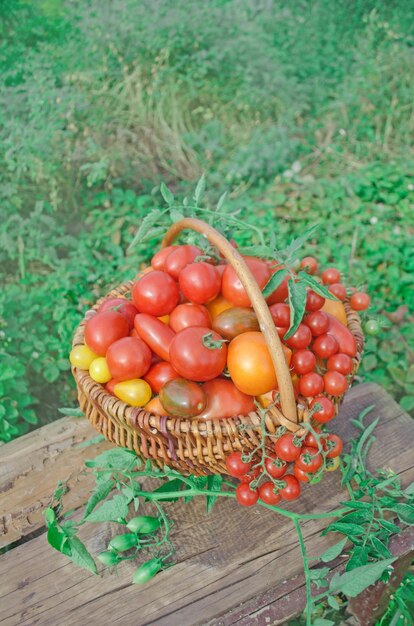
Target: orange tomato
x=250, y=365
x=165, y=319
x=217, y=306
x=336, y=309
x=155, y=407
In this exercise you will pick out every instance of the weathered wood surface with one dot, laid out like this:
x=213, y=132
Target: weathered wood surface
x=232, y=565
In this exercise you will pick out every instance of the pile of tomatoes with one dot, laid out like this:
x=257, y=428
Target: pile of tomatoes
x=188, y=342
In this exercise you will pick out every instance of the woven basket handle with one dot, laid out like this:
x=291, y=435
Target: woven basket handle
x=287, y=396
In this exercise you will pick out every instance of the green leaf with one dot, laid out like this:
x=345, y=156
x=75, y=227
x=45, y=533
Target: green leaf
x=315, y=286
x=110, y=511
x=322, y=621
x=214, y=482
x=297, y=302
x=176, y=216
x=409, y=491
x=348, y=529
x=171, y=485
x=407, y=403
x=80, y=555
x=50, y=516
x=358, y=557
x=381, y=548
x=146, y=225
x=100, y=493
x=167, y=194
x=274, y=282
x=392, y=528
x=334, y=551
x=221, y=201
x=116, y=458
x=405, y=513
x=365, y=435
x=318, y=573
x=58, y=539
x=353, y=582
x=297, y=243
x=200, y=189
x=333, y=603
x=71, y=412
x=91, y=442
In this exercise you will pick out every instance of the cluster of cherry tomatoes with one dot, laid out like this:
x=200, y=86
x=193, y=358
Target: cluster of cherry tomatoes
x=188, y=343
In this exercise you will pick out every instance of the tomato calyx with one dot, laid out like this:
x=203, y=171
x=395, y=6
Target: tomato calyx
x=212, y=344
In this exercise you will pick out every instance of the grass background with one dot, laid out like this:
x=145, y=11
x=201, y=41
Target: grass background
x=303, y=110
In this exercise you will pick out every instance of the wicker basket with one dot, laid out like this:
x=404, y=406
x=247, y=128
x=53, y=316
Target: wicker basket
x=189, y=445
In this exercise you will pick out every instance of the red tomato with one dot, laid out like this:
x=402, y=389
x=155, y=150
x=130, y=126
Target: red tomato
x=280, y=293
x=160, y=374
x=331, y=276
x=346, y=340
x=220, y=268
x=233, y=290
x=287, y=447
x=309, y=460
x=338, y=290
x=300, y=474
x=291, y=490
x=325, y=346
x=197, y=353
x=301, y=338
x=335, y=383
x=311, y=384
x=267, y=493
x=245, y=495
x=281, y=331
x=123, y=306
x=280, y=313
x=158, y=260
x=200, y=282
x=314, y=301
x=325, y=413
x=333, y=445
x=102, y=329
x=111, y=384
x=250, y=476
x=128, y=358
x=224, y=400
x=341, y=363
x=188, y=314
x=236, y=466
x=275, y=467
x=155, y=294
x=359, y=301
x=318, y=322
x=182, y=398
x=303, y=361
x=309, y=264
x=310, y=439
x=157, y=335
x=179, y=258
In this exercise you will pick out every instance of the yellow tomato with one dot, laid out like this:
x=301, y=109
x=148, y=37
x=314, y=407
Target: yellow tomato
x=217, y=306
x=336, y=309
x=265, y=399
x=82, y=357
x=332, y=464
x=165, y=319
x=135, y=392
x=99, y=370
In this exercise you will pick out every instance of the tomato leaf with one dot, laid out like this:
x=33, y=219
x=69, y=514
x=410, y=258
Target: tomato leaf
x=311, y=282
x=349, y=529
x=110, y=511
x=221, y=201
x=358, y=557
x=171, y=485
x=167, y=194
x=354, y=582
x=409, y=491
x=274, y=282
x=297, y=302
x=80, y=555
x=381, y=548
x=290, y=251
x=176, y=216
x=405, y=513
x=68, y=412
x=333, y=603
x=214, y=482
x=116, y=458
x=58, y=539
x=91, y=442
x=322, y=621
x=334, y=551
x=100, y=493
x=200, y=189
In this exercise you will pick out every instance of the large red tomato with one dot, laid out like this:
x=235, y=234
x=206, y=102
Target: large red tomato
x=189, y=314
x=200, y=282
x=346, y=340
x=179, y=258
x=182, y=398
x=158, y=260
x=198, y=354
x=233, y=290
x=123, y=306
x=102, y=329
x=156, y=293
x=157, y=335
x=160, y=374
x=225, y=400
x=128, y=358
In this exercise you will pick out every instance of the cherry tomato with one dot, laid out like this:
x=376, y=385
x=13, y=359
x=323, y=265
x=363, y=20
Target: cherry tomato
x=128, y=358
x=314, y=301
x=188, y=314
x=309, y=460
x=318, y=322
x=331, y=276
x=217, y=306
x=235, y=321
x=224, y=400
x=232, y=288
x=160, y=374
x=275, y=467
x=310, y=439
x=220, y=268
x=291, y=490
x=335, y=383
x=280, y=313
x=346, y=340
x=301, y=338
x=245, y=495
x=267, y=493
x=198, y=353
x=157, y=335
x=325, y=346
x=200, y=282
x=123, y=306
x=102, y=329
x=372, y=327
x=311, y=384
x=303, y=361
x=99, y=371
x=236, y=466
x=338, y=290
x=359, y=301
x=337, y=310
x=158, y=260
x=326, y=412
x=110, y=385
x=281, y=331
x=155, y=294
x=333, y=445
x=309, y=264
x=250, y=365
x=251, y=475
x=300, y=474
x=182, y=398
x=135, y=392
x=82, y=357
x=179, y=258
x=287, y=447
x=332, y=464
x=341, y=363
x=155, y=407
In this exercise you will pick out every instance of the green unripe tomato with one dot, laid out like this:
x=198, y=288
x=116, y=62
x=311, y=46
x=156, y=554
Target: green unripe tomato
x=144, y=524
x=121, y=543
x=372, y=327
x=108, y=558
x=146, y=571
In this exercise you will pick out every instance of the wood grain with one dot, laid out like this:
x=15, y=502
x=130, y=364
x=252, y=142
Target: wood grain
x=225, y=560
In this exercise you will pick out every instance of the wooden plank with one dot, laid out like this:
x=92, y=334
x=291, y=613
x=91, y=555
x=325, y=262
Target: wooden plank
x=223, y=559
